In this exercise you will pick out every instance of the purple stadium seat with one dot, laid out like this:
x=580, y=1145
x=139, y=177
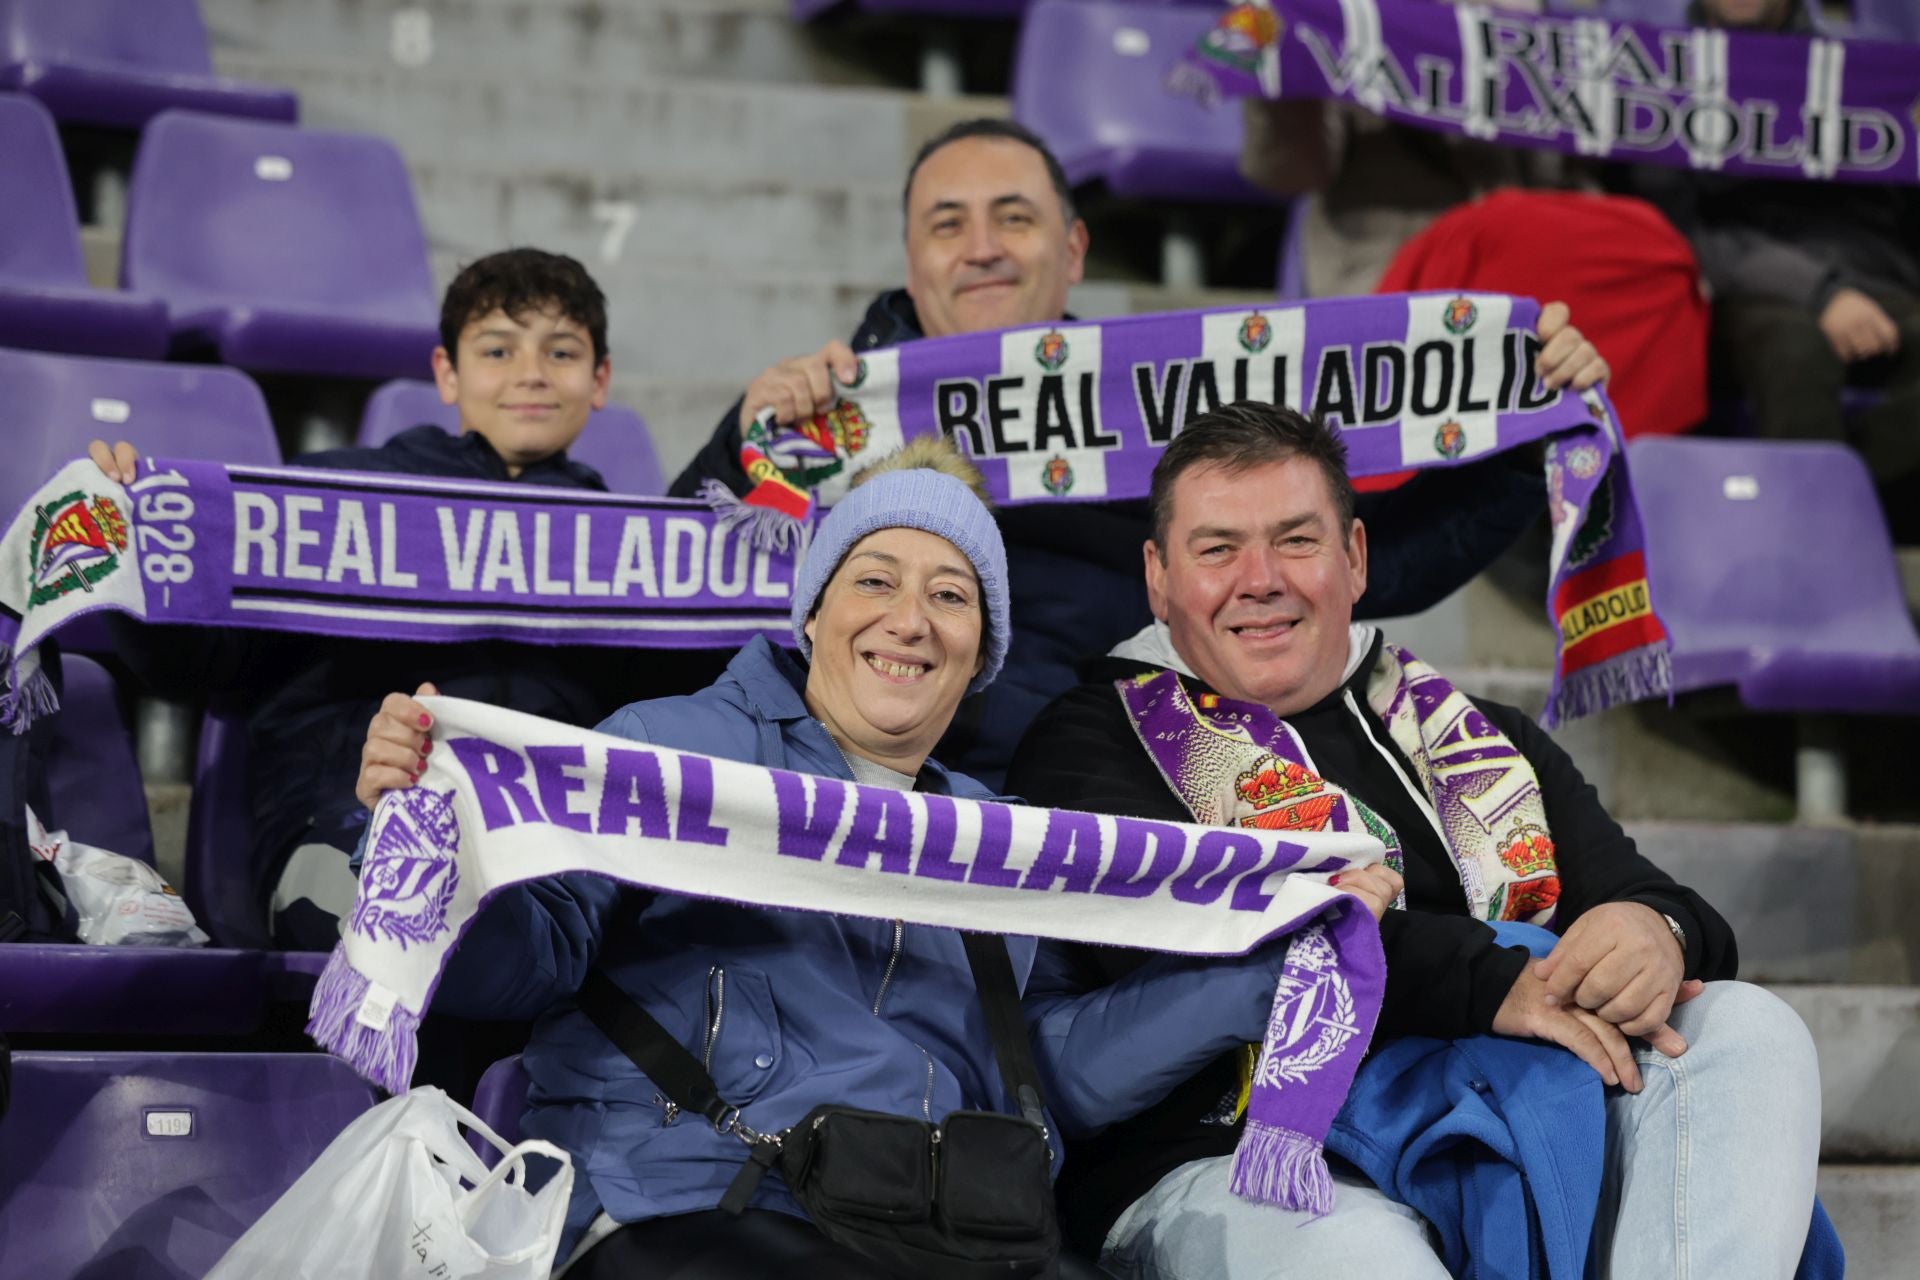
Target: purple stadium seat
x=1771, y=566
x=135, y=1166
x=281, y=249
x=45, y=301
x=169, y=991
x=220, y=884
x=616, y=442
x=92, y=772
x=55, y=404
x=119, y=62
x=1089, y=77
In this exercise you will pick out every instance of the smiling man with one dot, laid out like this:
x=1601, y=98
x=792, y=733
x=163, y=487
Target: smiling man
x=993, y=242
x=1255, y=698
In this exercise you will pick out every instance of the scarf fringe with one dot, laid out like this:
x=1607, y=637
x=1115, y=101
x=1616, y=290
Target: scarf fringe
x=1638, y=674
x=1282, y=1167
x=29, y=694
x=767, y=529
x=387, y=1056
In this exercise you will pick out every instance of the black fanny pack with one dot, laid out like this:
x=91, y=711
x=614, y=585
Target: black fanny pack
x=970, y=1198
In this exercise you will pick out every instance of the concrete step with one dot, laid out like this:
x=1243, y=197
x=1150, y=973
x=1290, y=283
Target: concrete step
x=1876, y=1211
x=1808, y=904
x=1869, y=1044
x=750, y=40
x=723, y=132
x=727, y=228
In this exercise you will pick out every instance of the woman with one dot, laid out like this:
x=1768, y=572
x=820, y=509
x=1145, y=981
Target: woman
x=900, y=610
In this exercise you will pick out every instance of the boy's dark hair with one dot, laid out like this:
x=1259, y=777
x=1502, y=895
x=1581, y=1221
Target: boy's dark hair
x=517, y=281
x=1247, y=434
x=1005, y=130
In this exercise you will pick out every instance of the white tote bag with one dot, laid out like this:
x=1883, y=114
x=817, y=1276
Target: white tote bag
x=400, y=1194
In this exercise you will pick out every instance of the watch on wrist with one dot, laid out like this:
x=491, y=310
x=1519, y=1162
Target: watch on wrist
x=1679, y=934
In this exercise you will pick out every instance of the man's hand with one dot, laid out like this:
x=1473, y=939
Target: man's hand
x=1566, y=358
x=1857, y=328
x=1622, y=963
x=797, y=389
x=396, y=752
x=1377, y=886
x=1595, y=1041
x=117, y=462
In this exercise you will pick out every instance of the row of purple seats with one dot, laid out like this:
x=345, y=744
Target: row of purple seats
x=148, y=1166
x=119, y=63
x=97, y=796
x=264, y=246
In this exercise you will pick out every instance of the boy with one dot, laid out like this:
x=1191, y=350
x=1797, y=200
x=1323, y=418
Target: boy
x=524, y=355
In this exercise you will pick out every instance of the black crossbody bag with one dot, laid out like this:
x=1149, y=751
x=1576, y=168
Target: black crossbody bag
x=970, y=1198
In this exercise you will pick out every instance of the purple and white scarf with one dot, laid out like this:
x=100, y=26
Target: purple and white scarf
x=374, y=556
x=1073, y=412
x=507, y=798
x=1765, y=104
x=1237, y=764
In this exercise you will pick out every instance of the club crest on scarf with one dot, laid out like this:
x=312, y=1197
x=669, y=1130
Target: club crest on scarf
x=410, y=875
x=1450, y=441
x=1051, y=351
x=1242, y=35
x=1284, y=796
x=1256, y=332
x=1313, y=1013
x=1461, y=313
x=75, y=544
x=1056, y=477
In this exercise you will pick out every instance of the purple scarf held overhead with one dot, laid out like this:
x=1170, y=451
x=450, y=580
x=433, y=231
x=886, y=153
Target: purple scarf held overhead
x=375, y=557
x=1077, y=411
x=1768, y=105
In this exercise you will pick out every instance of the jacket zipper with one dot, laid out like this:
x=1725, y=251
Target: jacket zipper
x=893, y=959
x=714, y=1010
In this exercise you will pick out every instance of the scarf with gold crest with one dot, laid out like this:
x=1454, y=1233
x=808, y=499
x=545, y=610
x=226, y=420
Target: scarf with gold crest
x=1237, y=764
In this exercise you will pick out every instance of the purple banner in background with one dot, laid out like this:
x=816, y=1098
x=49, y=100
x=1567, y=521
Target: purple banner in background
x=1781, y=106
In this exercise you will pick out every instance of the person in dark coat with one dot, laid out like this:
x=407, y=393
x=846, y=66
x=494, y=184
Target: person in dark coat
x=993, y=242
x=1253, y=565
x=524, y=355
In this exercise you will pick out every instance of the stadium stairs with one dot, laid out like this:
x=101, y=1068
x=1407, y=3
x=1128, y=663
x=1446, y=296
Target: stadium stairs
x=733, y=181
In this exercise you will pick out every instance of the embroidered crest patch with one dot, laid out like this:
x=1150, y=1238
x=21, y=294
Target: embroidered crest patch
x=408, y=881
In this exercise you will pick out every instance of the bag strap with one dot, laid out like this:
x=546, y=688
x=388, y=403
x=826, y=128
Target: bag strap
x=666, y=1062
x=1006, y=1025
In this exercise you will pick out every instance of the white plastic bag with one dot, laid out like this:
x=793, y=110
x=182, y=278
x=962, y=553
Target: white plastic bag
x=386, y=1200
x=119, y=900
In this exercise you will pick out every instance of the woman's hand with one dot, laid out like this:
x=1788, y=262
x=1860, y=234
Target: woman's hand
x=1378, y=886
x=397, y=745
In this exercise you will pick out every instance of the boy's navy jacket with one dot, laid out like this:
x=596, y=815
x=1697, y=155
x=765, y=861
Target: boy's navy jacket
x=1501, y=1145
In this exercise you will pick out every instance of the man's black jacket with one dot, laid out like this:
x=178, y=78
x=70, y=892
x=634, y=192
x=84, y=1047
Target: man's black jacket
x=1446, y=977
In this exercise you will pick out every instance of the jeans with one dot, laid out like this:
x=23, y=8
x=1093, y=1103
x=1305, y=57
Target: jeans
x=1709, y=1172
